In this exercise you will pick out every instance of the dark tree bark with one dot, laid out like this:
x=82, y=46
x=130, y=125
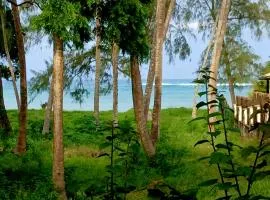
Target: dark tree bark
x=21, y=144
x=4, y=121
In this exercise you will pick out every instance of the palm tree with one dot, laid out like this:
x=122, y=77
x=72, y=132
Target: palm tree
x=21, y=144
x=58, y=148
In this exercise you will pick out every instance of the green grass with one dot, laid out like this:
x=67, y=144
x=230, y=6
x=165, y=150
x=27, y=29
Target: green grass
x=29, y=176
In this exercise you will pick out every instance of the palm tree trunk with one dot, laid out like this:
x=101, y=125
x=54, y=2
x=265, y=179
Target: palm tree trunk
x=137, y=94
x=158, y=69
x=151, y=70
x=97, y=73
x=48, y=112
x=10, y=66
x=115, y=53
x=21, y=144
x=4, y=121
x=58, y=148
x=219, y=39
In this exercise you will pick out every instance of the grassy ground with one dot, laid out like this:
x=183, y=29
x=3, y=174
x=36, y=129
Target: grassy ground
x=29, y=176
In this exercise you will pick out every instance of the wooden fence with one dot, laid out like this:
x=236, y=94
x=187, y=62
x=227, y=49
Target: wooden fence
x=246, y=108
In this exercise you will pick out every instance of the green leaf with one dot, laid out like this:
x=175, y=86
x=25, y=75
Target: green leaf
x=122, y=154
x=215, y=133
x=201, y=104
x=229, y=109
x=212, y=102
x=261, y=175
x=199, y=81
x=208, y=183
x=202, y=93
x=110, y=138
x=224, y=198
x=217, y=122
x=197, y=119
x=247, y=151
x=222, y=146
x=244, y=171
x=215, y=114
x=219, y=158
x=119, y=149
x=231, y=144
x=262, y=164
x=201, y=142
x=259, y=197
x=204, y=158
x=264, y=153
x=225, y=186
x=103, y=154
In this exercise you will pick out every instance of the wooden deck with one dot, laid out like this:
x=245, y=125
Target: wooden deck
x=245, y=111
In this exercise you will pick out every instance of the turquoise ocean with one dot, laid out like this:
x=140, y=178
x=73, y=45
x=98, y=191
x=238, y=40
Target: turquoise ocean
x=175, y=93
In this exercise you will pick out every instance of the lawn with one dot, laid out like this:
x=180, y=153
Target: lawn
x=177, y=162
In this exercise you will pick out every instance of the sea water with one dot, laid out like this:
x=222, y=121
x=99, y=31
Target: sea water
x=175, y=93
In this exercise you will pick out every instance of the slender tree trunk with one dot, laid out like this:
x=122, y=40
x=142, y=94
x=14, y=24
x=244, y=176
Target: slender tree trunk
x=151, y=71
x=150, y=80
x=98, y=69
x=10, y=66
x=58, y=148
x=208, y=50
x=158, y=69
x=21, y=145
x=231, y=89
x=115, y=54
x=48, y=112
x=229, y=74
x=219, y=38
x=137, y=94
x=4, y=121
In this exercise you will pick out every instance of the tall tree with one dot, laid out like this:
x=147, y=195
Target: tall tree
x=115, y=60
x=6, y=47
x=64, y=22
x=160, y=13
x=151, y=71
x=58, y=148
x=98, y=67
x=239, y=65
x=21, y=144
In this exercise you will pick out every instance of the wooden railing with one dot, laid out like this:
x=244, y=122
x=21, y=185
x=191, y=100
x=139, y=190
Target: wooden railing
x=245, y=108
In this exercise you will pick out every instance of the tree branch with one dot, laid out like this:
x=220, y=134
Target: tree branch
x=25, y=2
x=31, y=2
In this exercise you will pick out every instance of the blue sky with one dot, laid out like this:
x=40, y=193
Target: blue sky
x=36, y=56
